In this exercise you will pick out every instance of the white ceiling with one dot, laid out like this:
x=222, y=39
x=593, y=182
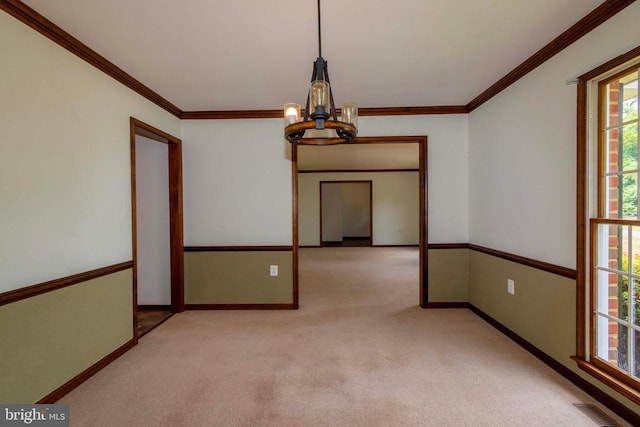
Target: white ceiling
x=257, y=54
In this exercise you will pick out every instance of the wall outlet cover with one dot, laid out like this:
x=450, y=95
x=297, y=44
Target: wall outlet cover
x=273, y=270
x=511, y=286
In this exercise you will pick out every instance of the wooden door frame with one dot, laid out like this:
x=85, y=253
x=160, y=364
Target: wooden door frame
x=176, y=238
x=423, y=219
x=355, y=181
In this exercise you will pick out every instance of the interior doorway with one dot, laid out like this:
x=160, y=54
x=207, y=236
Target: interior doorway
x=157, y=229
x=420, y=142
x=346, y=213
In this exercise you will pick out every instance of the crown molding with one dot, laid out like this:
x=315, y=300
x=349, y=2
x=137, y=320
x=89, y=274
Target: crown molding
x=595, y=18
x=362, y=112
x=411, y=111
x=231, y=114
x=33, y=19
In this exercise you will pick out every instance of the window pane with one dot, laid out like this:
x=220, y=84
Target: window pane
x=612, y=161
x=617, y=292
x=629, y=196
x=635, y=250
x=636, y=353
x=611, y=343
x=634, y=298
x=629, y=137
x=623, y=347
x=622, y=196
x=612, y=197
x=608, y=297
x=629, y=89
x=612, y=251
x=630, y=107
x=611, y=112
x=619, y=299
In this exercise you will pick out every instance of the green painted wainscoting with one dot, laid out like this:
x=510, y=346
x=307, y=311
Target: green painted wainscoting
x=237, y=277
x=542, y=311
x=49, y=339
x=448, y=275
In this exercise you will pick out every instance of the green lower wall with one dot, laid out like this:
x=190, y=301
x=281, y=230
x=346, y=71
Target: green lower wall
x=49, y=339
x=448, y=271
x=542, y=311
x=237, y=277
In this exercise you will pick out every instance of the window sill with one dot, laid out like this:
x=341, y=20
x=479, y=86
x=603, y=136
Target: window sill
x=617, y=385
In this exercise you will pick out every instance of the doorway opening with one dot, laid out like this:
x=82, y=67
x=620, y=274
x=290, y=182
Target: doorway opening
x=346, y=213
x=157, y=226
x=304, y=213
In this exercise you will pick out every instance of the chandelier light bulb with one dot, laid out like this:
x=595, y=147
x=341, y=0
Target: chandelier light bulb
x=350, y=113
x=319, y=97
x=291, y=113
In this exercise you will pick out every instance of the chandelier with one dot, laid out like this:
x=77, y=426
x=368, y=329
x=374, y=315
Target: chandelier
x=320, y=124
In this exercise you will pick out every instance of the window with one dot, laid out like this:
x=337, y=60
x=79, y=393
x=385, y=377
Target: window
x=611, y=333
x=616, y=231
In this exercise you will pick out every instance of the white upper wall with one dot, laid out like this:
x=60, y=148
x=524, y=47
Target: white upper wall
x=65, y=180
x=65, y=167
x=237, y=178
x=447, y=167
x=237, y=183
x=522, y=151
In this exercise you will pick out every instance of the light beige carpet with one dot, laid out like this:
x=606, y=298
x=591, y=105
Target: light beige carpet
x=359, y=352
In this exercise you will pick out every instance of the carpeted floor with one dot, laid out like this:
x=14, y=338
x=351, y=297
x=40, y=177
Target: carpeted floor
x=359, y=352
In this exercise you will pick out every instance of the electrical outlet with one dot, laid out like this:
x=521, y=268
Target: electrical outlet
x=511, y=286
x=273, y=270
